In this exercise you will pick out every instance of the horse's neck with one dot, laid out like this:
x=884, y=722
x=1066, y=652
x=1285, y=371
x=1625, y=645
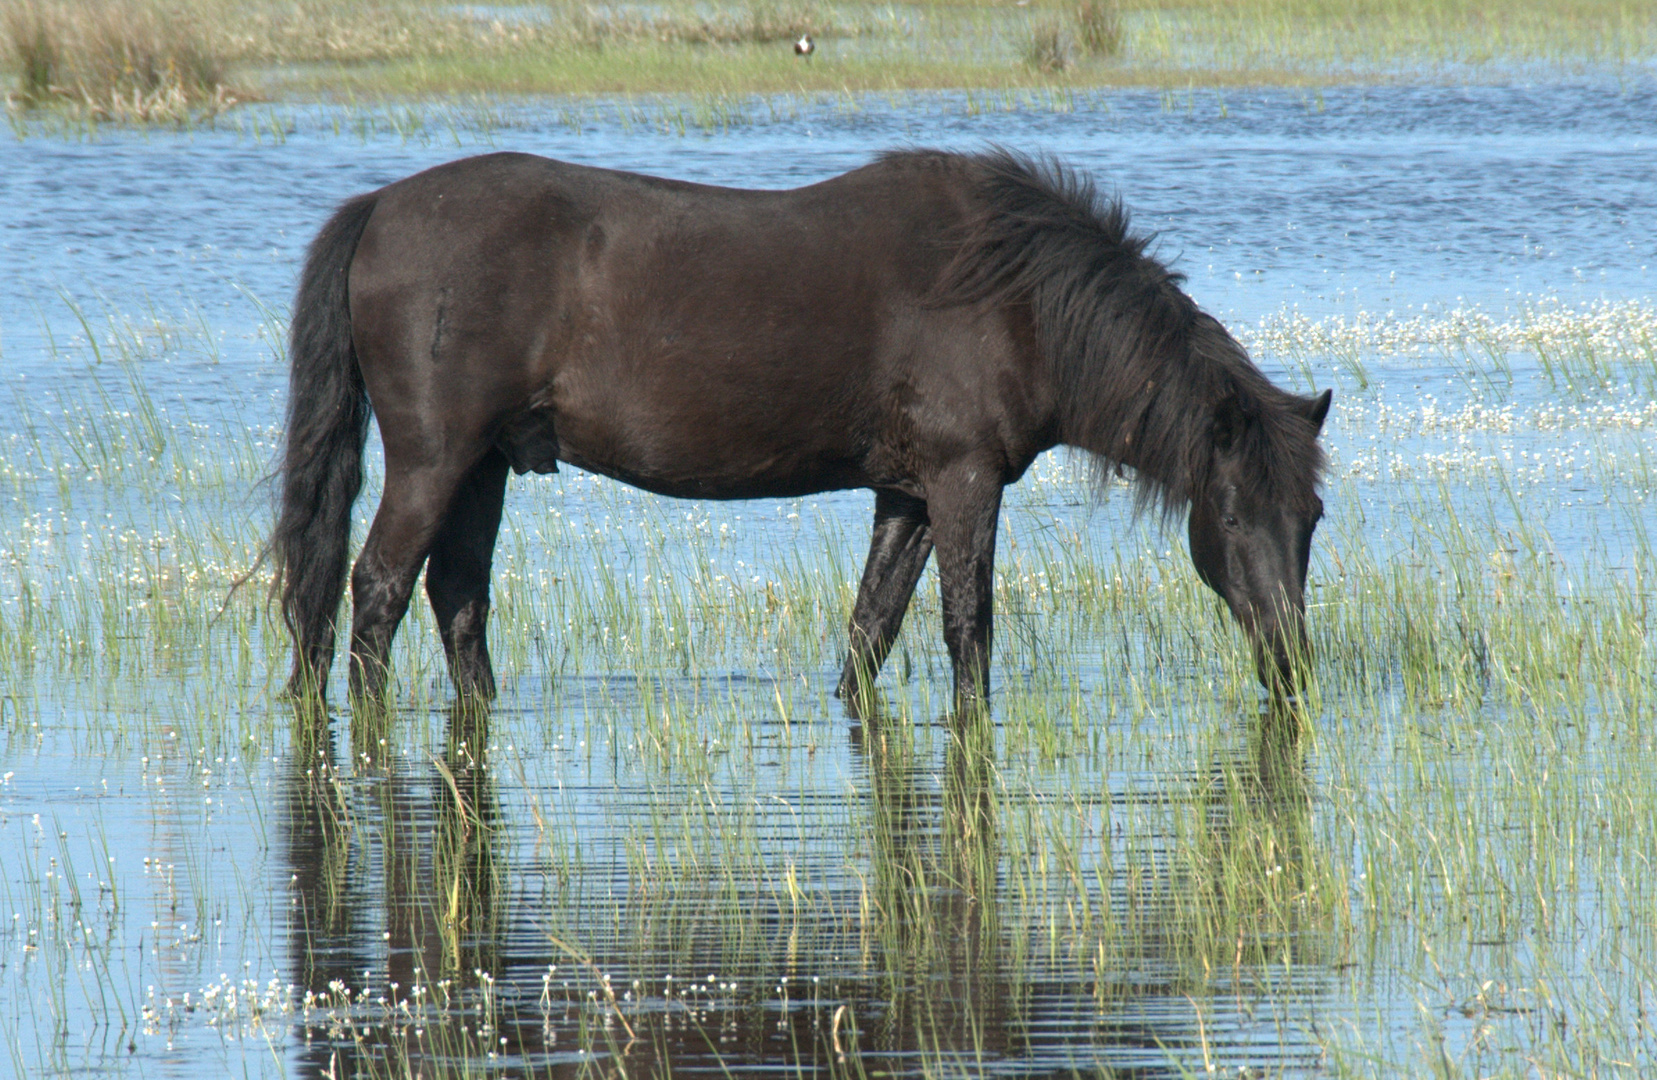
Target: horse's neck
x=1121, y=432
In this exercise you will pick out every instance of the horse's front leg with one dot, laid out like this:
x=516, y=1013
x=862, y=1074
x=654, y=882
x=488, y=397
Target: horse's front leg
x=964, y=504
x=457, y=575
x=897, y=555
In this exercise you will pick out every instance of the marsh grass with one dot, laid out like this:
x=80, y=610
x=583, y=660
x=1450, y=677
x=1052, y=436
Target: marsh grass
x=1099, y=29
x=1057, y=41
x=1444, y=860
x=167, y=59
x=755, y=24
x=123, y=61
x=1052, y=47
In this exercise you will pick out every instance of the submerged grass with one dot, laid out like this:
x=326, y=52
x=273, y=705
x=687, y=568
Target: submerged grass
x=667, y=847
x=171, y=59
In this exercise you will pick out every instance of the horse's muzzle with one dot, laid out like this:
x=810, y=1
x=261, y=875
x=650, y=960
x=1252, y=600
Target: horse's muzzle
x=1282, y=653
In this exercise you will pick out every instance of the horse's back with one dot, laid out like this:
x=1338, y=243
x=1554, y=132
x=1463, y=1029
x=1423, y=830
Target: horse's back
x=690, y=339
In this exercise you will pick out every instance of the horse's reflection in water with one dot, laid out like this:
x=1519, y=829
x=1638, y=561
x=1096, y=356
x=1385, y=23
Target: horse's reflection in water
x=1223, y=945
x=397, y=885
x=400, y=882
x=966, y=978
x=936, y=858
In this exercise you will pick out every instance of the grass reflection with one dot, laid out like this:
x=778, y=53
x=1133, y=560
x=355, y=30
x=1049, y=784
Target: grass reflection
x=420, y=952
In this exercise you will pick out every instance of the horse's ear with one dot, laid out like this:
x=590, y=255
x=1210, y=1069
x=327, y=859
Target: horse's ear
x=1317, y=409
x=1229, y=420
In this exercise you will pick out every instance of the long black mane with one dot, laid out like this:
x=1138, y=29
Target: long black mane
x=1145, y=376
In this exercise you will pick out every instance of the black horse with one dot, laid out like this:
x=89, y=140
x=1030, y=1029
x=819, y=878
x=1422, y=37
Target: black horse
x=923, y=326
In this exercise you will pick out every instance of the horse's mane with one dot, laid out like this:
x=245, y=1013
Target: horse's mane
x=1146, y=378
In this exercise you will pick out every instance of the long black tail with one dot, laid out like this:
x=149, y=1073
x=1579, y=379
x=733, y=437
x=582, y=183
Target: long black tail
x=328, y=415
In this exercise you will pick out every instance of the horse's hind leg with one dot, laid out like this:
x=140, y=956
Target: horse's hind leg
x=897, y=555
x=414, y=506
x=457, y=575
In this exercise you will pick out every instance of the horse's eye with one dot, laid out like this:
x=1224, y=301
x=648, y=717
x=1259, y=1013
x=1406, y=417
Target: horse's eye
x=1231, y=521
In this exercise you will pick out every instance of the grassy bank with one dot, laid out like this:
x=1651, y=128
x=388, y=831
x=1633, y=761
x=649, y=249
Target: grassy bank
x=153, y=59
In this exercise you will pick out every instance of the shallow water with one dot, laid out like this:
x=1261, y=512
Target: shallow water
x=667, y=805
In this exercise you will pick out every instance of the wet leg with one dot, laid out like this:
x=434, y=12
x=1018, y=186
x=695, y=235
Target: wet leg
x=457, y=575
x=412, y=509
x=965, y=504
x=897, y=555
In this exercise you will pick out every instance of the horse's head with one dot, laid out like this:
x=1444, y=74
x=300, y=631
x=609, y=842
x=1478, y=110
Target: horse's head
x=1251, y=543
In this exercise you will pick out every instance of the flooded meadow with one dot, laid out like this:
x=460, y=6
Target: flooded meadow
x=667, y=847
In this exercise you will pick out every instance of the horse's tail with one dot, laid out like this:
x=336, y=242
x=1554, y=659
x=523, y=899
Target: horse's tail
x=327, y=428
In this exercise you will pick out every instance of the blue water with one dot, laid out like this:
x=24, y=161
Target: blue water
x=1383, y=198
x=1371, y=199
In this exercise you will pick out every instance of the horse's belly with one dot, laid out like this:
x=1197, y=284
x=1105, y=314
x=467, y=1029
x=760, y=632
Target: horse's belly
x=711, y=420
x=735, y=471
x=712, y=450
